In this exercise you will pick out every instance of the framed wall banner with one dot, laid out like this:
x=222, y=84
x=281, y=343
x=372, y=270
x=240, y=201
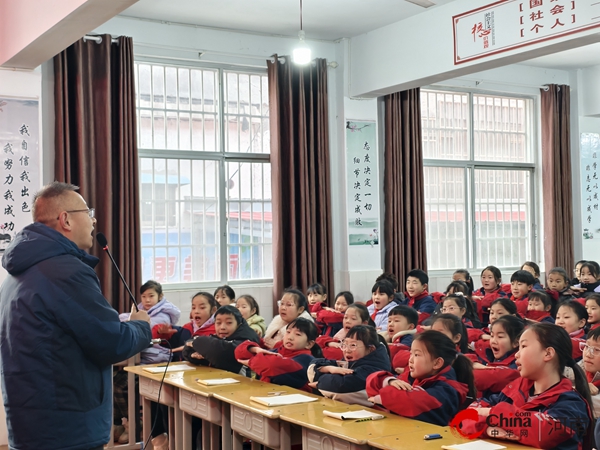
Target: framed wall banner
x=362, y=184
x=20, y=175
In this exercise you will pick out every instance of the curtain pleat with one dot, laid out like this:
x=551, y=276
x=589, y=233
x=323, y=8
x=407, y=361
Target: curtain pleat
x=96, y=149
x=302, y=244
x=404, y=223
x=556, y=177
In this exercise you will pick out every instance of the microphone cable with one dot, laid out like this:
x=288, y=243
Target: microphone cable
x=158, y=404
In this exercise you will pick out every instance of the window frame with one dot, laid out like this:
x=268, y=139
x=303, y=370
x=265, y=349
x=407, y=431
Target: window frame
x=470, y=165
x=220, y=155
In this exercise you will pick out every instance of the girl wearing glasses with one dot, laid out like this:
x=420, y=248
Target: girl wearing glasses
x=346, y=380
x=293, y=304
x=460, y=306
x=591, y=364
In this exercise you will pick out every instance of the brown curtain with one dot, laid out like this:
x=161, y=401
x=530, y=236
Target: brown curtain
x=556, y=177
x=96, y=149
x=404, y=226
x=302, y=248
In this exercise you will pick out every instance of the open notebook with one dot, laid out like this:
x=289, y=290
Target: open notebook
x=217, y=381
x=354, y=415
x=171, y=368
x=282, y=400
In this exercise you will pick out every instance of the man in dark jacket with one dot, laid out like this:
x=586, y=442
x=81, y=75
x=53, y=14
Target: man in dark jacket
x=58, y=334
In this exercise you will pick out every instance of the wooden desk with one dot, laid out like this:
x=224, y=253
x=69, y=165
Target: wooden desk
x=414, y=439
x=322, y=432
x=149, y=391
x=198, y=400
x=261, y=423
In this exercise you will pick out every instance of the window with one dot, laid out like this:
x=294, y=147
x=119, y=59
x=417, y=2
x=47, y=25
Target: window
x=479, y=169
x=203, y=137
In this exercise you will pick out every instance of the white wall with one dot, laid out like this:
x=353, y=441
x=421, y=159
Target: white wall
x=18, y=83
x=170, y=42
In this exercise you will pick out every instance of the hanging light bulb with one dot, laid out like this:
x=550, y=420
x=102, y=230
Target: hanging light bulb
x=301, y=54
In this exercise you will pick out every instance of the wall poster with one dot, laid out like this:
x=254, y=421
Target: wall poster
x=20, y=172
x=362, y=179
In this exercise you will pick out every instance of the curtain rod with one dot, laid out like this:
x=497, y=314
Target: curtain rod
x=97, y=39
x=505, y=83
x=281, y=59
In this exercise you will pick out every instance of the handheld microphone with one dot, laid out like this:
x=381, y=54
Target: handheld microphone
x=104, y=244
x=156, y=341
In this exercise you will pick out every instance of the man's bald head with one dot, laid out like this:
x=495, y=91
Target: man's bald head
x=51, y=200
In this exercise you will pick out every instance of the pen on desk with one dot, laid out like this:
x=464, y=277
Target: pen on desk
x=429, y=437
x=275, y=393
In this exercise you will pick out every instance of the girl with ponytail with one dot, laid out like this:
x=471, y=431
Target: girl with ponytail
x=551, y=413
x=438, y=382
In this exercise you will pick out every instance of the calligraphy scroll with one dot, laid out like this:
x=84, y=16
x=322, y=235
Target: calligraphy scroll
x=362, y=184
x=20, y=176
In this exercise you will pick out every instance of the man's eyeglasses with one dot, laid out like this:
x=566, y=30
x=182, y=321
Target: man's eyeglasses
x=91, y=212
x=593, y=351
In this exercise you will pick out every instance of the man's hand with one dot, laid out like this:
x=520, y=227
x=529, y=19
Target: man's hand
x=140, y=315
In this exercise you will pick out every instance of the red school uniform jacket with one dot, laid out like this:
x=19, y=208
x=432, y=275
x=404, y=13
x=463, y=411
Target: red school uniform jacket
x=400, y=349
x=577, y=337
x=423, y=303
x=334, y=353
x=331, y=321
x=283, y=367
x=558, y=417
x=435, y=400
x=484, y=304
x=539, y=316
x=499, y=373
x=521, y=304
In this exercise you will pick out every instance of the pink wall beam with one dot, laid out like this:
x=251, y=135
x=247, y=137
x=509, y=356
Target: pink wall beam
x=33, y=31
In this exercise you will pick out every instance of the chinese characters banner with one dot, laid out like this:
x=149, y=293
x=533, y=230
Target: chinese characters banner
x=20, y=170
x=362, y=184
x=510, y=24
x=590, y=178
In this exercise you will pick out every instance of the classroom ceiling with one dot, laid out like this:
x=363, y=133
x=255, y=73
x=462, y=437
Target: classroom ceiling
x=322, y=19
x=576, y=58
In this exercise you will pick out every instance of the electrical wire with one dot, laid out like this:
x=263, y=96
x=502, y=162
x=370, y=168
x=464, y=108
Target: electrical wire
x=159, y=391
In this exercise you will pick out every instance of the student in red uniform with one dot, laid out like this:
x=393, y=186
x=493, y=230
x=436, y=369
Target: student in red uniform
x=345, y=380
x=286, y=364
x=521, y=284
x=534, y=270
x=491, y=289
x=435, y=386
x=331, y=319
x=464, y=276
x=460, y=306
x=592, y=306
x=500, y=307
x=497, y=366
x=202, y=323
x=539, y=307
x=591, y=364
x=402, y=323
x=317, y=298
x=589, y=275
x=572, y=317
x=552, y=414
x=356, y=314
x=558, y=286
x=416, y=293
x=383, y=302
x=452, y=326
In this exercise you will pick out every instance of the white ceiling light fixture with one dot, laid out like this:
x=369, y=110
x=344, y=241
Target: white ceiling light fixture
x=301, y=54
x=423, y=3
